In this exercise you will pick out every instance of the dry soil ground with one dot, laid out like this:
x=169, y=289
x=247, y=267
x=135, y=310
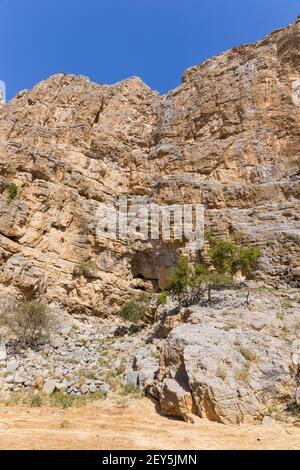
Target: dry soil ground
x=103, y=425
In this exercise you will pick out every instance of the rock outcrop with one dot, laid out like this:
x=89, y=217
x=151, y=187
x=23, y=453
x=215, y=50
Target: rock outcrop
x=227, y=137
x=230, y=361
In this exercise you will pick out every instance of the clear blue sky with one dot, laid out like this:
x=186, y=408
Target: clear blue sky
x=109, y=40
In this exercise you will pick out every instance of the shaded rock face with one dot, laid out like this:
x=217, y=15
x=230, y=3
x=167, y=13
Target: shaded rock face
x=227, y=137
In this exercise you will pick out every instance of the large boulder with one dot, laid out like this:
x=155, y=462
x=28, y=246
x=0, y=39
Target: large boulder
x=230, y=362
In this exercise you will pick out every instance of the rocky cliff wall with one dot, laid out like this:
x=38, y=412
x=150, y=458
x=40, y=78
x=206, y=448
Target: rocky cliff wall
x=227, y=137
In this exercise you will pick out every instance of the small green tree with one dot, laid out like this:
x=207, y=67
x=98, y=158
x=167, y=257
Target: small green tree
x=181, y=277
x=212, y=280
x=229, y=256
x=28, y=321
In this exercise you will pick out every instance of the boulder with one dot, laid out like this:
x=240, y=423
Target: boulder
x=146, y=366
x=84, y=389
x=12, y=365
x=176, y=401
x=132, y=378
x=49, y=387
x=104, y=388
x=230, y=362
x=92, y=387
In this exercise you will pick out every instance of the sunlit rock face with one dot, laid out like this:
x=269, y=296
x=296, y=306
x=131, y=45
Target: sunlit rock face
x=227, y=137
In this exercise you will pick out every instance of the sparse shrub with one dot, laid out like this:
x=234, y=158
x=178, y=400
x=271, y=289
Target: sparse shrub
x=189, y=285
x=286, y=304
x=64, y=424
x=280, y=316
x=183, y=285
x=294, y=409
x=248, y=354
x=14, y=399
x=228, y=257
x=64, y=400
x=96, y=395
x=212, y=280
x=12, y=192
x=229, y=327
x=136, y=311
x=272, y=410
x=132, y=390
x=221, y=373
x=248, y=258
x=28, y=320
x=34, y=400
x=223, y=255
x=88, y=269
x=243, y=374
x=163, y=298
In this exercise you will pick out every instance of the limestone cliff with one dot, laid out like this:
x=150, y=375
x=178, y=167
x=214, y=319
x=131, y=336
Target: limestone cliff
x=228, y=136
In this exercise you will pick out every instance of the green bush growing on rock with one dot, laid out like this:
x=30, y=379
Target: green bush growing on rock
x=87, y=269
x=163, y=298
x=136, y=310
x=188, y=284
x=12, y=192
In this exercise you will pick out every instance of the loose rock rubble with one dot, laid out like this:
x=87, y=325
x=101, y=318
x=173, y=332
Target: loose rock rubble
x=82, y=356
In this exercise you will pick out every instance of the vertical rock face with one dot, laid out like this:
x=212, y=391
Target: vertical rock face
x=227, y=137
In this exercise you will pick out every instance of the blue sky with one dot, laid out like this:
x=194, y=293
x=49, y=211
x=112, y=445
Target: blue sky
x=109, y=40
